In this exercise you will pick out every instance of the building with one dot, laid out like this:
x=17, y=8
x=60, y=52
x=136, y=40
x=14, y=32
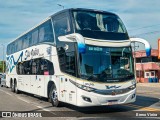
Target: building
x=147, y=68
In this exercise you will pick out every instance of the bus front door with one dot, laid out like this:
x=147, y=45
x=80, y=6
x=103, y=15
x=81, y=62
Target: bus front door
x=67, y=90
x=62, y=90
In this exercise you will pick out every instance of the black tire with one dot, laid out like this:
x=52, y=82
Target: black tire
x=53, y=96
x=12, y=86
x=16, y=88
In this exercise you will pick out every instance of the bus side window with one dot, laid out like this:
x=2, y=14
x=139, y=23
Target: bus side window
x=47, y=67
x=46, y=32
x=61, y=26
x=27, y=68
x=34, y=68
x=20, y=68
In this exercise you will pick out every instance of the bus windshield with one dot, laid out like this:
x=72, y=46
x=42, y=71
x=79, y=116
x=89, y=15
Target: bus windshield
x=91, y=22
x=106, y=64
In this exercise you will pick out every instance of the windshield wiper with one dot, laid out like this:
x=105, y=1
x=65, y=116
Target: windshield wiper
x=92, y=77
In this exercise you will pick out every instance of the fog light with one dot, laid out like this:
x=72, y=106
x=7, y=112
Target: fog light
x=86, y=99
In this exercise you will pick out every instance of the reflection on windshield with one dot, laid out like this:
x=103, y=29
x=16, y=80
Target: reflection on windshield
x=95, y=21
x=106, y=64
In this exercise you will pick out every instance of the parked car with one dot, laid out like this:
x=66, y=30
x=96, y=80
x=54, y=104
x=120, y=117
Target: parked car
x=0, y=77
x=3, y=80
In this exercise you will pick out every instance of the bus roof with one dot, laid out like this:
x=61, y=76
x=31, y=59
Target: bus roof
x=81, y=9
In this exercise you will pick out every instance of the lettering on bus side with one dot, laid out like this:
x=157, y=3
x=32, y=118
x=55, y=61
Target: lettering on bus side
x=27, y=54
x=32, y=53
x=89, y=84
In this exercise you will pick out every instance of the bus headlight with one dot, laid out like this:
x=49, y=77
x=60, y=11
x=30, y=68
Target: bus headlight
x=83, y=87
x=132, y=87
x=133, y=82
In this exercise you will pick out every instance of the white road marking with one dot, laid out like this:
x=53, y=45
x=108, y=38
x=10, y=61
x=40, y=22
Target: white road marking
x=46, y=110
x=6, y=92
x=23, y=99
x=42, y=108
x=28, y=102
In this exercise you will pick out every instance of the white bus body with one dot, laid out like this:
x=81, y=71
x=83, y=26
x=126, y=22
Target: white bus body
x=66, y=69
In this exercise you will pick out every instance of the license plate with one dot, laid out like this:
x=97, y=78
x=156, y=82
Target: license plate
x=112, y=102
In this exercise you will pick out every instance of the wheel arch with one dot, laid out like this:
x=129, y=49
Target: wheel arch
x=50, y=83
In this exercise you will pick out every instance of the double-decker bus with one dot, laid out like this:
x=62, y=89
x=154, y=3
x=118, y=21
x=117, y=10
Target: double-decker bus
x=77, y=56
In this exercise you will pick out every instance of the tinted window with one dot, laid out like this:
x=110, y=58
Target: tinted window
x=16, y=46
x=99, y=25
x=19, y=44
x=67, y=63
x=35, y=67
x=61, y=26
x=45, y=32
x=12, y=47
x=25, y=42
x=34, y=37
x=67, y=59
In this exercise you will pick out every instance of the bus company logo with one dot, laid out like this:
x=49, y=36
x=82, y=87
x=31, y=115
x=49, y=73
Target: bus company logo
x=33, y=52
x=27, y=54
x=113, y=93
x=12, y=62
x=112, y=87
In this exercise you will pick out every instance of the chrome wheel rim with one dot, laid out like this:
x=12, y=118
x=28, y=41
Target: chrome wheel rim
x=54, y=96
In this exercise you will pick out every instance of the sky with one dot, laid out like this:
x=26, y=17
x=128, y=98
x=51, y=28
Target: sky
x=141, y=17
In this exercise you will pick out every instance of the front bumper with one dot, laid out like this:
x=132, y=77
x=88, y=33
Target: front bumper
x=85, y=98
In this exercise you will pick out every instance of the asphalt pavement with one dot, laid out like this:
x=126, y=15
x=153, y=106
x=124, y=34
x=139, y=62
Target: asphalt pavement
x=23, y=106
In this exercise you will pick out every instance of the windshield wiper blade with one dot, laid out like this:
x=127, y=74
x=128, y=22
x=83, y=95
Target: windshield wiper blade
x=92, y=77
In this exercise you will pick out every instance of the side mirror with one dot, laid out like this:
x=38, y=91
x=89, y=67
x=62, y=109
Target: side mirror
x=75, y=37
x=65, y=39
x=145, y=42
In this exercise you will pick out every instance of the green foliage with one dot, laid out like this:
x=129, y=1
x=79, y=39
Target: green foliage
x=1, y=66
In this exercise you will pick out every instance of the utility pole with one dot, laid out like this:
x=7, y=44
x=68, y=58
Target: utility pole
x=134, y=47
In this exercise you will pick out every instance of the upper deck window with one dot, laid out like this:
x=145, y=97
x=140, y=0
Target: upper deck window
x=98, y=22
x=40, y=34
x=99, y=25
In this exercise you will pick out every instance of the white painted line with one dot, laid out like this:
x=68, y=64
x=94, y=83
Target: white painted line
x=46, y=110
x=36, y=105
x=6, y=92
x=28, y=102
x=23, y=100
x=43, y=108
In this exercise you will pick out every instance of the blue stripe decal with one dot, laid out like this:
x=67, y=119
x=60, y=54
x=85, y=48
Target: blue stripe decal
x=81, y=47
x=146, y=43
x=12, y=62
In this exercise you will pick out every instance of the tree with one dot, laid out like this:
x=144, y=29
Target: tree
x=1, y=66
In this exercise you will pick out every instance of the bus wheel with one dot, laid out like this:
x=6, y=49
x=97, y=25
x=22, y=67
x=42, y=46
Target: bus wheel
x=12, y=86
x=54, y=97
x=16, y=88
